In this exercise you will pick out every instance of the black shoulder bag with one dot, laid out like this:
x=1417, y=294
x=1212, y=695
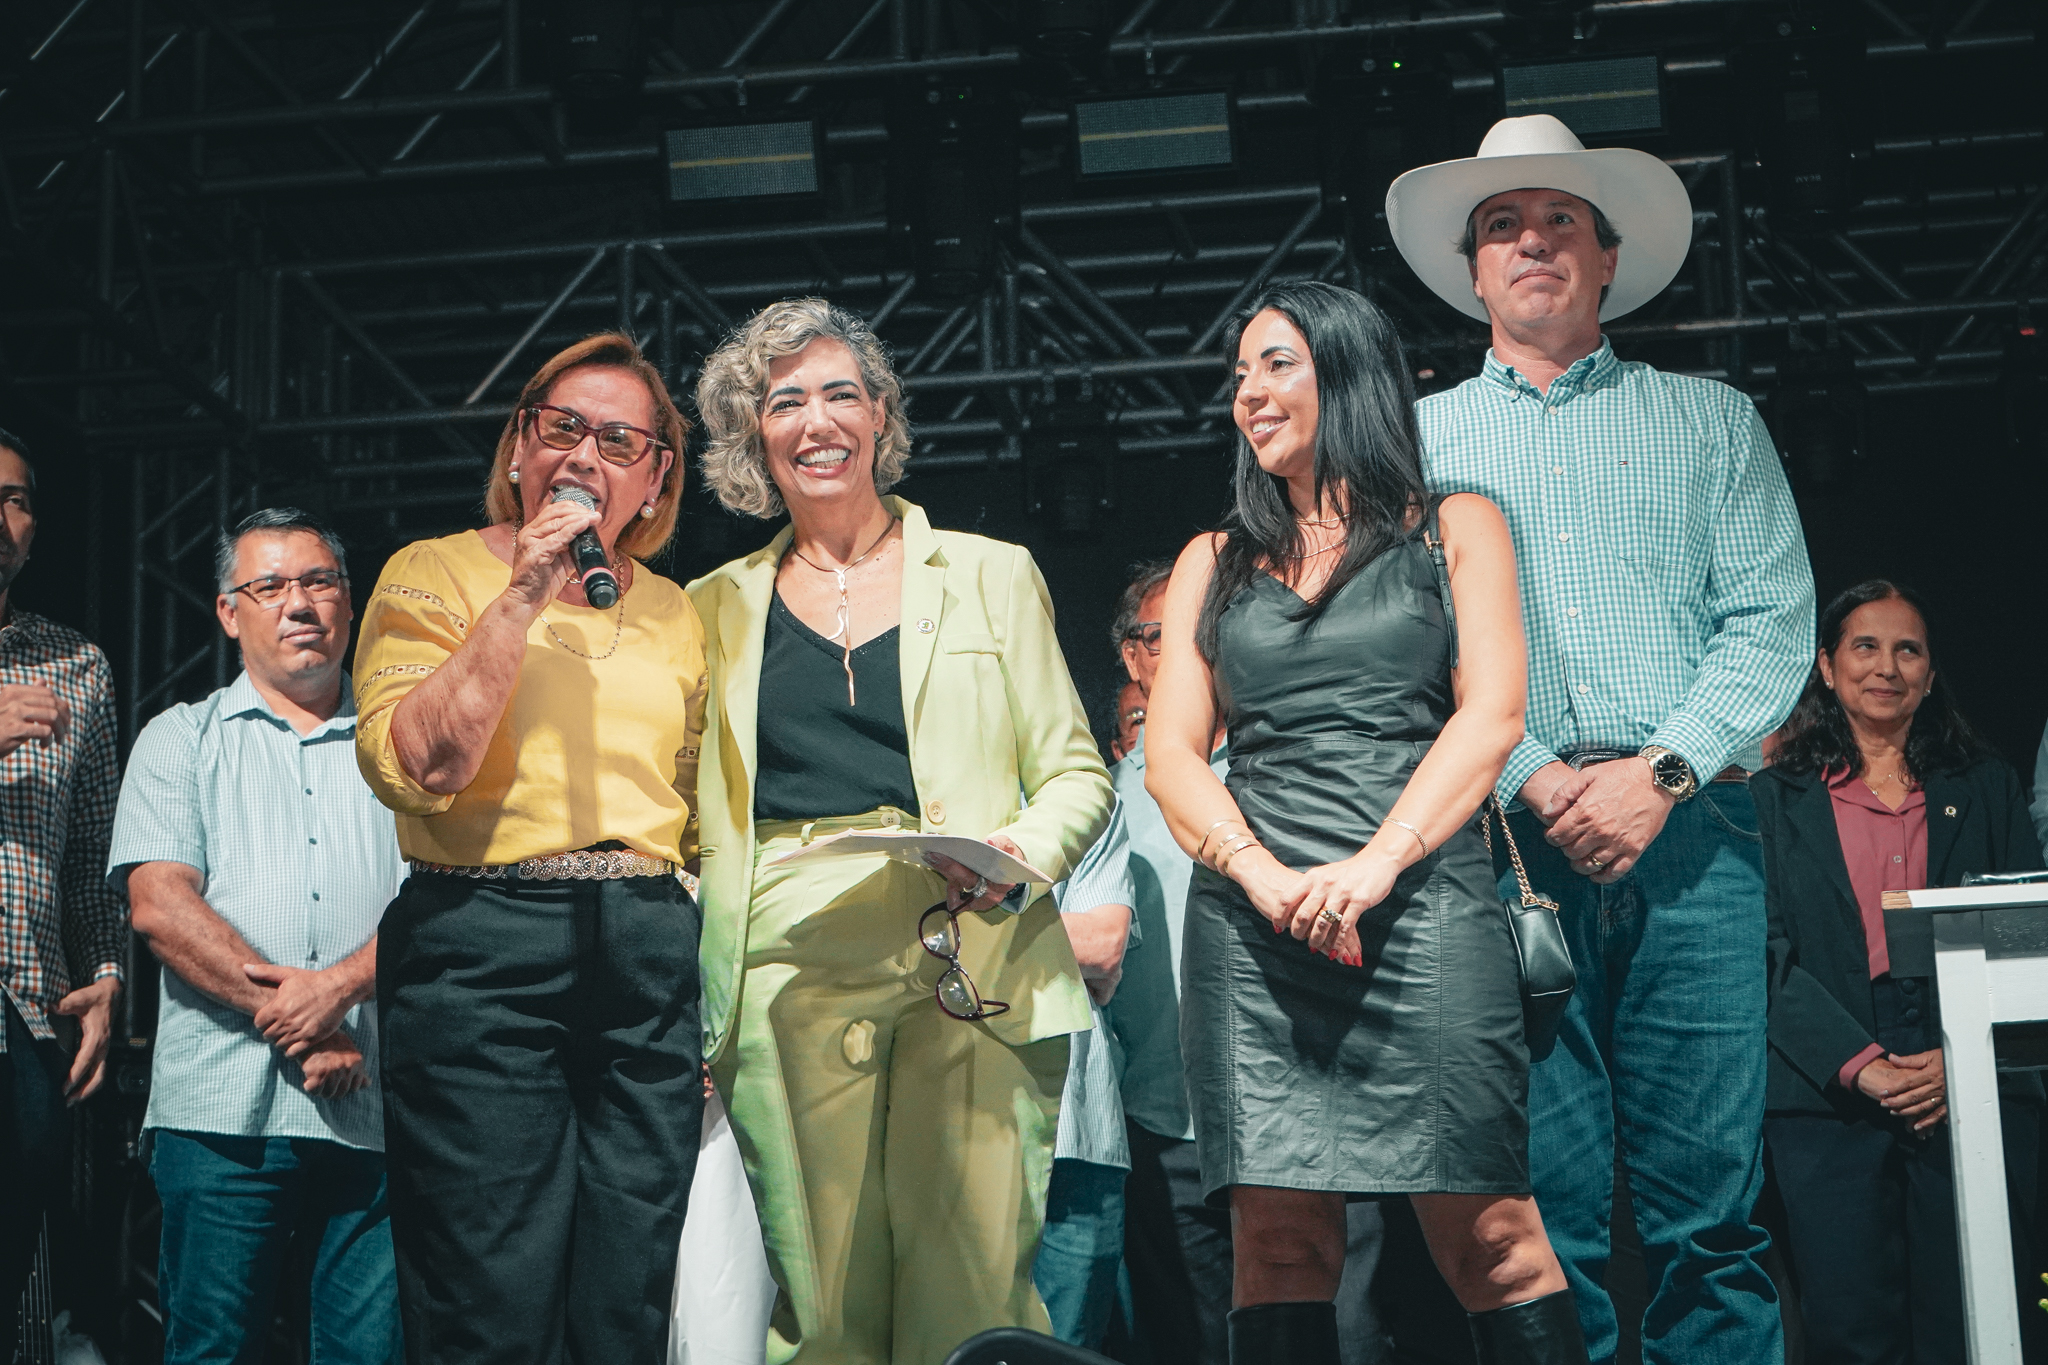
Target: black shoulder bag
x=1548, y=976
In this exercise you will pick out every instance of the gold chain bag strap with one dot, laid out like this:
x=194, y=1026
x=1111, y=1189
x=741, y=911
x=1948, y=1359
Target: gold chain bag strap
x=1548, y=976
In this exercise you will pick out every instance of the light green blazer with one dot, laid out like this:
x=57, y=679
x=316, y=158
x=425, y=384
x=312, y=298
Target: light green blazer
x=991, y=712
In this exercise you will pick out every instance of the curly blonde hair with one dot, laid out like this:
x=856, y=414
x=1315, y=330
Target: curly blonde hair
x=735, y=381
x=642, y=537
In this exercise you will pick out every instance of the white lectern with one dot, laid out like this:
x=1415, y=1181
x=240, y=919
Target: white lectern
x=1990, y=967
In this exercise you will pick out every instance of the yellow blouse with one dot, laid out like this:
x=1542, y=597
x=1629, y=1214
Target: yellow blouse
x=589, y=748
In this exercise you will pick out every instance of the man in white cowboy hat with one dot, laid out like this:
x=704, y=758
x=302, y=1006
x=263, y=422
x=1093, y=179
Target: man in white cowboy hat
x=1669, y=609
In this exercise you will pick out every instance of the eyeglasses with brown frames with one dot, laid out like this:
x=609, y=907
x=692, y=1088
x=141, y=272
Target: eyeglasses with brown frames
x=956, y=990
x=618, y=443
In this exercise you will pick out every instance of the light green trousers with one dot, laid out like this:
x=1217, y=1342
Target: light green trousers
x=899, y=1156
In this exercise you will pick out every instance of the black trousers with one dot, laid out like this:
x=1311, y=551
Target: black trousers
x=542, y=1106
x=35, y=1133
x=1177, y=1253
x=1870, y=1212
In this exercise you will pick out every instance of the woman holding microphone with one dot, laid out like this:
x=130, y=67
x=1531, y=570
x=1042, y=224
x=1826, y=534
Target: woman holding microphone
x=537, y=974
x=892, y=1038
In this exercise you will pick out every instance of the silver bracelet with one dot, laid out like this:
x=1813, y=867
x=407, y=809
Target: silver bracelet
x=1414, y=831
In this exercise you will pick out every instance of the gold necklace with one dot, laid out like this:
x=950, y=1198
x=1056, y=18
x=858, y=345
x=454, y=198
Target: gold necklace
x=1319, y=521
x=618, y=629
x=844, y=635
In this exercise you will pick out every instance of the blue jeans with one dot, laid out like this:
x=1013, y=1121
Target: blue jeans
x=1663, y=1048
x=1082, y=1250
x=232, y=1206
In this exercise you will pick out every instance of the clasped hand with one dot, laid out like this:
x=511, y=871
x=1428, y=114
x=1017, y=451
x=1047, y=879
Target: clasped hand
x=1294, y=901
x=1914, y=1087
x=303, y=1018
x=1601, y=817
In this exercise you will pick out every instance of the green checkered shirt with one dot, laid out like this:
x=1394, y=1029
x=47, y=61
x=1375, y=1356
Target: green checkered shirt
x=1665, y=588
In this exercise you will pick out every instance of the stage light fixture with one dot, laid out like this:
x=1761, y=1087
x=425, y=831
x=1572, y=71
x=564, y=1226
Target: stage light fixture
x=1817, y=413
x=1380, y=114
x=600, y=59
x=1596, y=98
x=952, y=184
x=1069, y=453
x=1065, y=28
x=1801, y=89
x=1155, y=133
x=743, y=161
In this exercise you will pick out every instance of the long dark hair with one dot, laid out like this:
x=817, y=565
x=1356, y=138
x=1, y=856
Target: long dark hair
x=1817, y=737
x=1366, y=446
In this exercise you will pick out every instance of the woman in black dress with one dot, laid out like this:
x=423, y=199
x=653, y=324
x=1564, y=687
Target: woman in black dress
x=1351, y=1014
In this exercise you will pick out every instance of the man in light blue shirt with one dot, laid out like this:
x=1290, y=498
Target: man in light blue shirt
x=1669, y=610
x=257, y=864
x=1083, y=1246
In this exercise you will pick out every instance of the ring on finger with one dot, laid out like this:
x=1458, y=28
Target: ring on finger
x=1328, y=916
x=1595, y=864
x=979, y=889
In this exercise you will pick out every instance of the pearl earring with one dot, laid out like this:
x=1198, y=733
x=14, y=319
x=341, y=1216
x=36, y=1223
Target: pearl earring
x=513, y=473
x=647, y=510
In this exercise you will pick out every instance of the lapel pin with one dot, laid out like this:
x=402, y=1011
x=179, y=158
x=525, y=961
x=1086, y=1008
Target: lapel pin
x=1950, y=810
x=925, y=627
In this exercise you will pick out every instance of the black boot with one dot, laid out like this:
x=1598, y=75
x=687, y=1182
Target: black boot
x=1541, y=1331
x=1284, y=1334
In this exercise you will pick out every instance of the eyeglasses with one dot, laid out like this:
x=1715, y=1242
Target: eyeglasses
x=956, y=992
x=1145, y=633
x=320, y=585
x=618, y=443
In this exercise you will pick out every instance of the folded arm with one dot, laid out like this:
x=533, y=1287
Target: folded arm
x=191, y=939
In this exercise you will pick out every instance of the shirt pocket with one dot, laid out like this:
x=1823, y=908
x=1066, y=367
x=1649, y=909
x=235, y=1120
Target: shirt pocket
x=969, y=642
x=1646, y=505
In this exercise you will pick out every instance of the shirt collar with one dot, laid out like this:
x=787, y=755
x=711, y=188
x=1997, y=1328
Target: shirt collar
x=1587, y=373
x=22, y=627
x=243, y=699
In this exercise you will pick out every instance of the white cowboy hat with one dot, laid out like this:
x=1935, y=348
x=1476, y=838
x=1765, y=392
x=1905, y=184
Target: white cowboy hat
x=1642, y=197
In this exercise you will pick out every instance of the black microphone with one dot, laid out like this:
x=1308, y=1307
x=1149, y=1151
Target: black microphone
x=600, y=588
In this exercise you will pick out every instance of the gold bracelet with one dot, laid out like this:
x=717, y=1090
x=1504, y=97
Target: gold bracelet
x=1231, y=850
x=1226, y=820
x=1414, y=831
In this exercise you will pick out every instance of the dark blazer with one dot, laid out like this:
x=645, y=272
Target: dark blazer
x=1821, y=1015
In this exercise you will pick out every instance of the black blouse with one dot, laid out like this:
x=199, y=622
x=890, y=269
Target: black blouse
x=819, y=756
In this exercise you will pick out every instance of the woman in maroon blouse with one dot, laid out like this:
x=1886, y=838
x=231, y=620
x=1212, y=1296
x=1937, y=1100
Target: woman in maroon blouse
x=1879, y=785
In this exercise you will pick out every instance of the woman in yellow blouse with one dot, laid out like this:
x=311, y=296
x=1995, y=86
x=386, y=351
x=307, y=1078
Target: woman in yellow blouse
x=893, y=1069
x=537, y=974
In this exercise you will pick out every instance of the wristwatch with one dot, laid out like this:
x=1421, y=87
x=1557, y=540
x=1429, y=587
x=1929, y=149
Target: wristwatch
x=1670, y=772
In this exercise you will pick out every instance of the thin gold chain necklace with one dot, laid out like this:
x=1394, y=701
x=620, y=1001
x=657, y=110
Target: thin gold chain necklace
x=844, y=635
x=618, y=630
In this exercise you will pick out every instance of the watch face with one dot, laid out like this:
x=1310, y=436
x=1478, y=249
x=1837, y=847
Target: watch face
x=1670, y=771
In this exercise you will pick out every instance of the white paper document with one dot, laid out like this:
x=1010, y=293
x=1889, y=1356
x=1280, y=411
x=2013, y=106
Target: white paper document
x=909, y=846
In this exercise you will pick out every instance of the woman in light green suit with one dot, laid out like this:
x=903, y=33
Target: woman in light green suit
x=893, y=1071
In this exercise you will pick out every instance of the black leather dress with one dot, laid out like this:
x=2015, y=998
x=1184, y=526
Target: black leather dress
x=1409, y=1074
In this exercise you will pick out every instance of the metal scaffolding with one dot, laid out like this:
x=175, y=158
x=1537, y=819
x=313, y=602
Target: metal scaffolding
x=314, y=257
